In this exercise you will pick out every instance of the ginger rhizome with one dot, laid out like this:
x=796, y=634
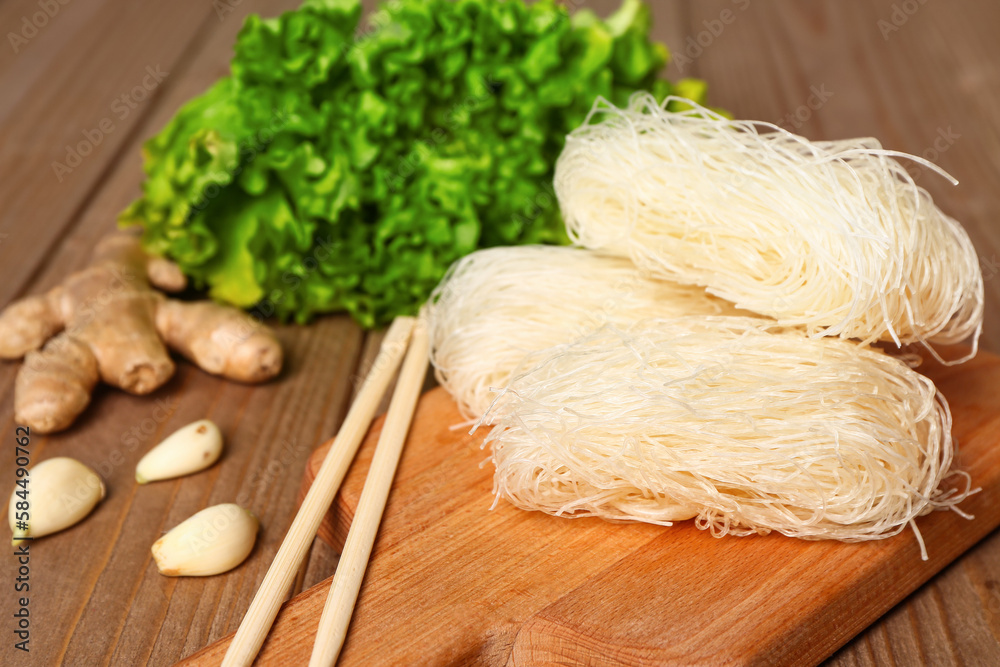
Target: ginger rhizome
x=107, y=323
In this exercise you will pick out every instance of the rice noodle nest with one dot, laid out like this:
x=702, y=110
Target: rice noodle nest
x=497, y=307
x=833, y=236
x=745, y=424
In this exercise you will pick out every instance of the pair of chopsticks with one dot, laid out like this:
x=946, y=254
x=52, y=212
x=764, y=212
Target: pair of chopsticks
x=407, y=335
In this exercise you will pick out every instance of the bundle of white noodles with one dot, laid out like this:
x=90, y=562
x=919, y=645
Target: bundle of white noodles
x=748, y=426
x=496, y=306
x=834, y=236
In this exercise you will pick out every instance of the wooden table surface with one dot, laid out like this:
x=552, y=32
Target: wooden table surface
x=923, y=77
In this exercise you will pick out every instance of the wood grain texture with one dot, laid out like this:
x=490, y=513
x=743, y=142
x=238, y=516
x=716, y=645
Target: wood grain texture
x=940, y=70
x=82, y=105
x=109, y=605
x=934, y=77
x=450, y=582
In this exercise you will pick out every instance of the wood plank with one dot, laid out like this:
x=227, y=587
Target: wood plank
x=938, y=71
x=451, y=582
x=29, y=49
x=58, y=104
x=114, y=607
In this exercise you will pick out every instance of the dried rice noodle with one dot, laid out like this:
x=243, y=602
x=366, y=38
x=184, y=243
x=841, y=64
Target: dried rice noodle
x=834, y=236
x=496, y=306
x=744, y=424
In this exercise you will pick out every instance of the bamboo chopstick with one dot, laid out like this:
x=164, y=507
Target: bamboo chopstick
x=264, y=607
x=358, y=547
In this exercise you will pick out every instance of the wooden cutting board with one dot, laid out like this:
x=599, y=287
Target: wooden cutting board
x=452, y=582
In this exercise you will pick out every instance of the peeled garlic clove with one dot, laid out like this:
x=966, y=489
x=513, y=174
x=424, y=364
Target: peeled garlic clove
x=210, y=542
x=187, y=450
x=60, y=492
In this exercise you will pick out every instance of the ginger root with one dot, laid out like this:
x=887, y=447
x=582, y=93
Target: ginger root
x=107, y=322
x=221, y=340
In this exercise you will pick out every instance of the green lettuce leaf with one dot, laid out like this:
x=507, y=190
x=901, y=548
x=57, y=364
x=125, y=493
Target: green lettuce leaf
x=344, y=165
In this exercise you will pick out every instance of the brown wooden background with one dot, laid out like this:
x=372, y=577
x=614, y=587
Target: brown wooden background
x=922, y=76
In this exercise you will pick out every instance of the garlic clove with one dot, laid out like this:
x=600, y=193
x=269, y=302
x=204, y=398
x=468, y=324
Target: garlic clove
x=60, y=493
x=187, y=450
x=212, y=541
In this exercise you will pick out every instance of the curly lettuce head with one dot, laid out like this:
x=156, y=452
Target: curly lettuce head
x=344, y=166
